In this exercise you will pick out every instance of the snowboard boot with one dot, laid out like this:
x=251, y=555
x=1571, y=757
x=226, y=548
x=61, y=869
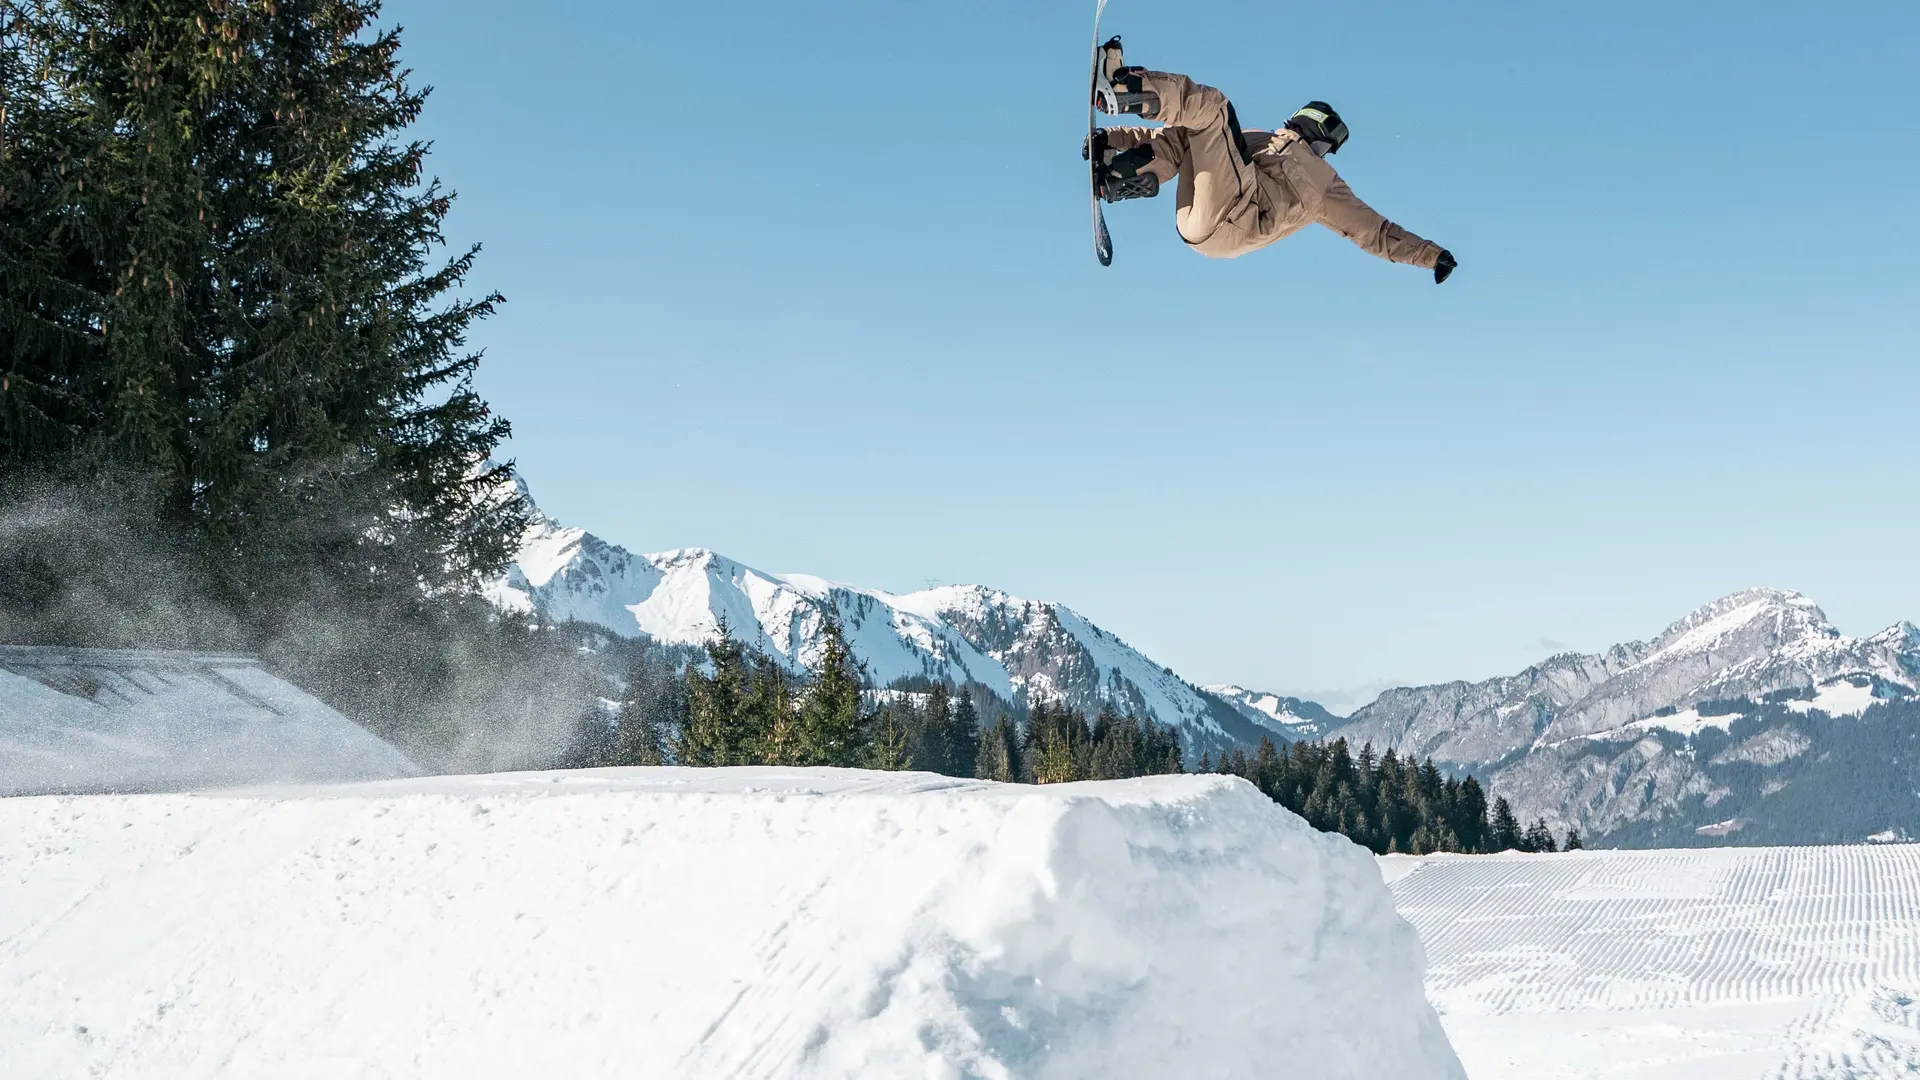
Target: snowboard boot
x=1119, y=88
x=1121, y=175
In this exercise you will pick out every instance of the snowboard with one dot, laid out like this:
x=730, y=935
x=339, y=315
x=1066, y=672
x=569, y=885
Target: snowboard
x=1102, y=240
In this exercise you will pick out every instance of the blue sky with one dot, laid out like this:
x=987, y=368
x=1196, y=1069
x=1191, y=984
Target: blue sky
x=812, y=285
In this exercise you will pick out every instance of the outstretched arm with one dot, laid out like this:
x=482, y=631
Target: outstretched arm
x=1343, y=212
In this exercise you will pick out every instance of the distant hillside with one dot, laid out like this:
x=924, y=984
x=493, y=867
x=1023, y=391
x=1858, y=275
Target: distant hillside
x=1288, y=717
x=1750, y=717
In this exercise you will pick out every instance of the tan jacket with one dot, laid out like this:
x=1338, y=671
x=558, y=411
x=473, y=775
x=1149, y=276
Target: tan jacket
x=1299, y=188
x=1227, y=208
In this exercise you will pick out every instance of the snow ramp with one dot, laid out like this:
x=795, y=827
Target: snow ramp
x=702, y=923
x=145, y=720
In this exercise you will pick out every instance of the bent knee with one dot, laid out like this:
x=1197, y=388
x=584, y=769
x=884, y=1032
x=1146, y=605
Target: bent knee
x=1186, y=103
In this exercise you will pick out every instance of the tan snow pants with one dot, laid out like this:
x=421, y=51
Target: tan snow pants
x=1197, y=145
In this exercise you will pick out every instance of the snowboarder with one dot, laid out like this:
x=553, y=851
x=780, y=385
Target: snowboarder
x=1238, y=190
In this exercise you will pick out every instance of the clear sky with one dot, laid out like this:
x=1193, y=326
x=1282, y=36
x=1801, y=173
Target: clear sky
x=811, y=285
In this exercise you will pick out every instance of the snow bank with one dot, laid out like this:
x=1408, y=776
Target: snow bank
x=98, y=720
x=680, y=923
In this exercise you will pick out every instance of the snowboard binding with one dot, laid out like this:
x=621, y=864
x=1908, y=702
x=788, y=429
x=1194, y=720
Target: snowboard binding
x=1119, y=89
x=1109, y=60
x=1119, y=176
x=1121, y=188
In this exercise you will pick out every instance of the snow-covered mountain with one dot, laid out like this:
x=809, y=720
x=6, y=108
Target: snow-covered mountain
x=1612, y=741
x=1289, y=717
x=1722, y=722
x=1019, y=650
x=1743, y=646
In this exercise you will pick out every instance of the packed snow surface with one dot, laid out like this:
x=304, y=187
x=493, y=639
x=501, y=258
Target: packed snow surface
x=1710, y=964
x=683, y=923
x=100, y=720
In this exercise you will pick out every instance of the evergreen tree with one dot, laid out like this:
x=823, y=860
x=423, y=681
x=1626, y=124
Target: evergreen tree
x=1504, y=832
x=51, y=286
x=1267, y=768
x=235, y=295
x=1422, y=841
x=1056, y=748
x=653, y=708
x=886, y=749
x=1054, y=761
x=1114, y=746
x=769, y=716
x=639, y=737
x=929, y=728
x=1539, y=837
x=963, y=737
x=715, y=734
x=218, y=272
x=832, y=712
x=1172, y=756
x=1470, y=815
x=1573, y=842
x=1366, y=766
x=999, y=757
x=1431, y=790
x=592, y=744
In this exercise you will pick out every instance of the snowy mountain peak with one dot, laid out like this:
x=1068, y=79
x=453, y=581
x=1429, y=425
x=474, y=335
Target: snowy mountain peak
x=1769, y=617
x=1017, y=650
x=1901, y=635
x=1749, y=644
x=692, y=556
x=1564, y=736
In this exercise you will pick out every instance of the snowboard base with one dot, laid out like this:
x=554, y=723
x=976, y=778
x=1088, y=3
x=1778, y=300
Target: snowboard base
x=1102, y=239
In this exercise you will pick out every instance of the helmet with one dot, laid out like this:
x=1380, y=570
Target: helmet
x=1317, y=122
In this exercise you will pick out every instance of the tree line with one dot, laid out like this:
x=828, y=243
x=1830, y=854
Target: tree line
x=1387, y=803
x=741, y=707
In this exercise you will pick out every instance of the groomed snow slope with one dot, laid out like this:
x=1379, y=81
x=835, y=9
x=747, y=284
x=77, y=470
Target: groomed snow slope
x=681, y=923
x=1719, y=964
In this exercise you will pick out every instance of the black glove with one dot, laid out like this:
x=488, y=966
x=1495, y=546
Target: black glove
x=1444, y=267
x=1095, y=143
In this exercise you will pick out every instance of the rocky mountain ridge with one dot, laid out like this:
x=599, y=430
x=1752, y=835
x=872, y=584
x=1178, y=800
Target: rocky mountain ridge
x=1703, y=727
x=1649, y=736
x=965, y=635
x=1288, y=717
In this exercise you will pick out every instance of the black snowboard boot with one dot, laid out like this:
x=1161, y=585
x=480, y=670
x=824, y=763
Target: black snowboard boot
x=1119, y=88
x=1121, y=174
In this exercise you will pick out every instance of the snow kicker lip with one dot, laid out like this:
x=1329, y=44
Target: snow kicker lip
x=734, y=922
